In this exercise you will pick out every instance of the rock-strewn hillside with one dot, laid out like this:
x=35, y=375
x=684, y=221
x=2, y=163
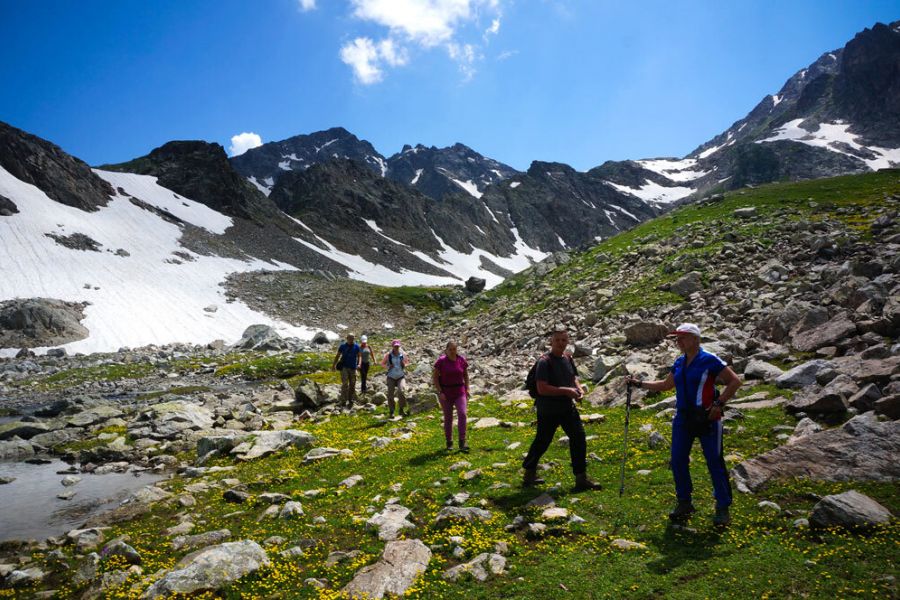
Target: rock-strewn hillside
x=778, y=275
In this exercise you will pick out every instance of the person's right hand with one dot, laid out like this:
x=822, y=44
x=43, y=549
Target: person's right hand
x=632, y=380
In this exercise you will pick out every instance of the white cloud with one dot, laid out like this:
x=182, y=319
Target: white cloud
x=307, y=5
x=507, y=54
x=242, y=142
x=422, y=23
x=392, y=53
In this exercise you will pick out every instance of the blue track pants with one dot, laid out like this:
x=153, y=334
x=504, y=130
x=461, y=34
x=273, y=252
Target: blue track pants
x=712, y=452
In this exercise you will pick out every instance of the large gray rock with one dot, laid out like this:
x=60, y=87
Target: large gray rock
x=201, y=540
x=864, y=400
x=861, y=449
x=832, y=333
x=16, y=449
x=390, y=522
x=263, y=443
x=309, y=396
x=467, y=513
x=850, y=509
x=21, y=429
x=475, y=285
x=210, y=569
x=261, y=338
x=191, y=416
x=399, y=566
x=688, y=284
x=36, y=322
x=479, y=568
x=760, y=369
x=802, y=375
x=833, y=398
x=645, y=333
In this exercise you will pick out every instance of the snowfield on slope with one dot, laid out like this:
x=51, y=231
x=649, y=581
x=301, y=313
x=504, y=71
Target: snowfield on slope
x=835, y=137
x=150, y=295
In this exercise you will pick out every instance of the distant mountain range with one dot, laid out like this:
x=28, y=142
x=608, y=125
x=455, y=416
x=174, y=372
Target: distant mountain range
x=331, y=203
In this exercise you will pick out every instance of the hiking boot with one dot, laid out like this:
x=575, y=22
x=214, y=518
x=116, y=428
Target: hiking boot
x=531, y=479
x=722, y=516
x=682, y=511
x=464, y=448
x=583, y=484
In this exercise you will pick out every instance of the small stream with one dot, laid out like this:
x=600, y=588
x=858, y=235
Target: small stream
x=29, y=508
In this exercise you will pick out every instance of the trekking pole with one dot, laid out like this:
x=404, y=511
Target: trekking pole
x=625, y=445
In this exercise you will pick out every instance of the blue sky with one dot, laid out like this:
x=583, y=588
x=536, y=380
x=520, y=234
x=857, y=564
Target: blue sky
x=575, y=81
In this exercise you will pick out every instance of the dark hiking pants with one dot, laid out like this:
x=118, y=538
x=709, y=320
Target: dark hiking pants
x=550, y=416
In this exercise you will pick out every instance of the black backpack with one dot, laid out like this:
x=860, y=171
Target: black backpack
x=531, y=378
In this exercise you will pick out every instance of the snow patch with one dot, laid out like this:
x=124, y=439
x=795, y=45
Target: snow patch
x=381, y=164
x=830, y=136
x=259, y=186
x=416, y=178
x=146, y=188
x=624, y=212
x=468, y=186
x=676, y=170
x=372, y=224
x=285, y=165
x=654, y=193
x=515, y=184
x=144, y=298
x=776, y=100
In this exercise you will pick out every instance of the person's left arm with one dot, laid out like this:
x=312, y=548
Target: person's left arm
x=732, y=383
x=466, y=377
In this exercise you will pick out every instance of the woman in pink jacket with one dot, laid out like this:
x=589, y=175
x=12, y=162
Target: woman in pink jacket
x=451, y=381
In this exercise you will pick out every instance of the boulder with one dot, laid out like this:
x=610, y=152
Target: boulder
x=688, y=284
x=851, y=510
x=888, y=406
x=400, y=564
x=16, y=449
x=805, y=427
x=480, y=568
x=390, y=522
x=760, y=369
x=833, y=398
x=260, y=338
x=469, y=513
x=863, y=449
x=21, y=429
x=831, y=333
x=475, y=285
x=264, y=443
x=645, y=333
x=210, y=569
x=864, y=400
x=201, y=540
x=802, y=375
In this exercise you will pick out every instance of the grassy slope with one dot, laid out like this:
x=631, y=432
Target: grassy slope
x=760, y=555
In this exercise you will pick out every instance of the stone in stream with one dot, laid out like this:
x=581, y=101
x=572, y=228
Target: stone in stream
x=210, y=569
x=400, y=564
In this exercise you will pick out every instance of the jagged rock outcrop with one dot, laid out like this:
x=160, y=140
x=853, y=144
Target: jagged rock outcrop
x=45, y=165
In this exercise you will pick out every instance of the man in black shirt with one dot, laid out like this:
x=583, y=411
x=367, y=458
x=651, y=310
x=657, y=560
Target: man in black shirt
x=558, y=389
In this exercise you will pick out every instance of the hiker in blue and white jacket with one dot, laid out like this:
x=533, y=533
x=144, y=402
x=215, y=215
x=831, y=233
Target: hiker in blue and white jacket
x=698, y=414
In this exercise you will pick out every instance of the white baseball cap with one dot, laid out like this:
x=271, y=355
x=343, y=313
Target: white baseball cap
x=686, y=328
x=364, y=339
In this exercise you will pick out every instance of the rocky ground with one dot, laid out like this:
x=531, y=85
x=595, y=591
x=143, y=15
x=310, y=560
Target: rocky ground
x=275, y=488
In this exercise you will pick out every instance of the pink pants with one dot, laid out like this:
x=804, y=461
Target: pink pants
x=447, y=406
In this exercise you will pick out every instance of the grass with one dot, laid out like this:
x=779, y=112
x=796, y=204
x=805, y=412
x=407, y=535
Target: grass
x=760, y=555
x=424, y=299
